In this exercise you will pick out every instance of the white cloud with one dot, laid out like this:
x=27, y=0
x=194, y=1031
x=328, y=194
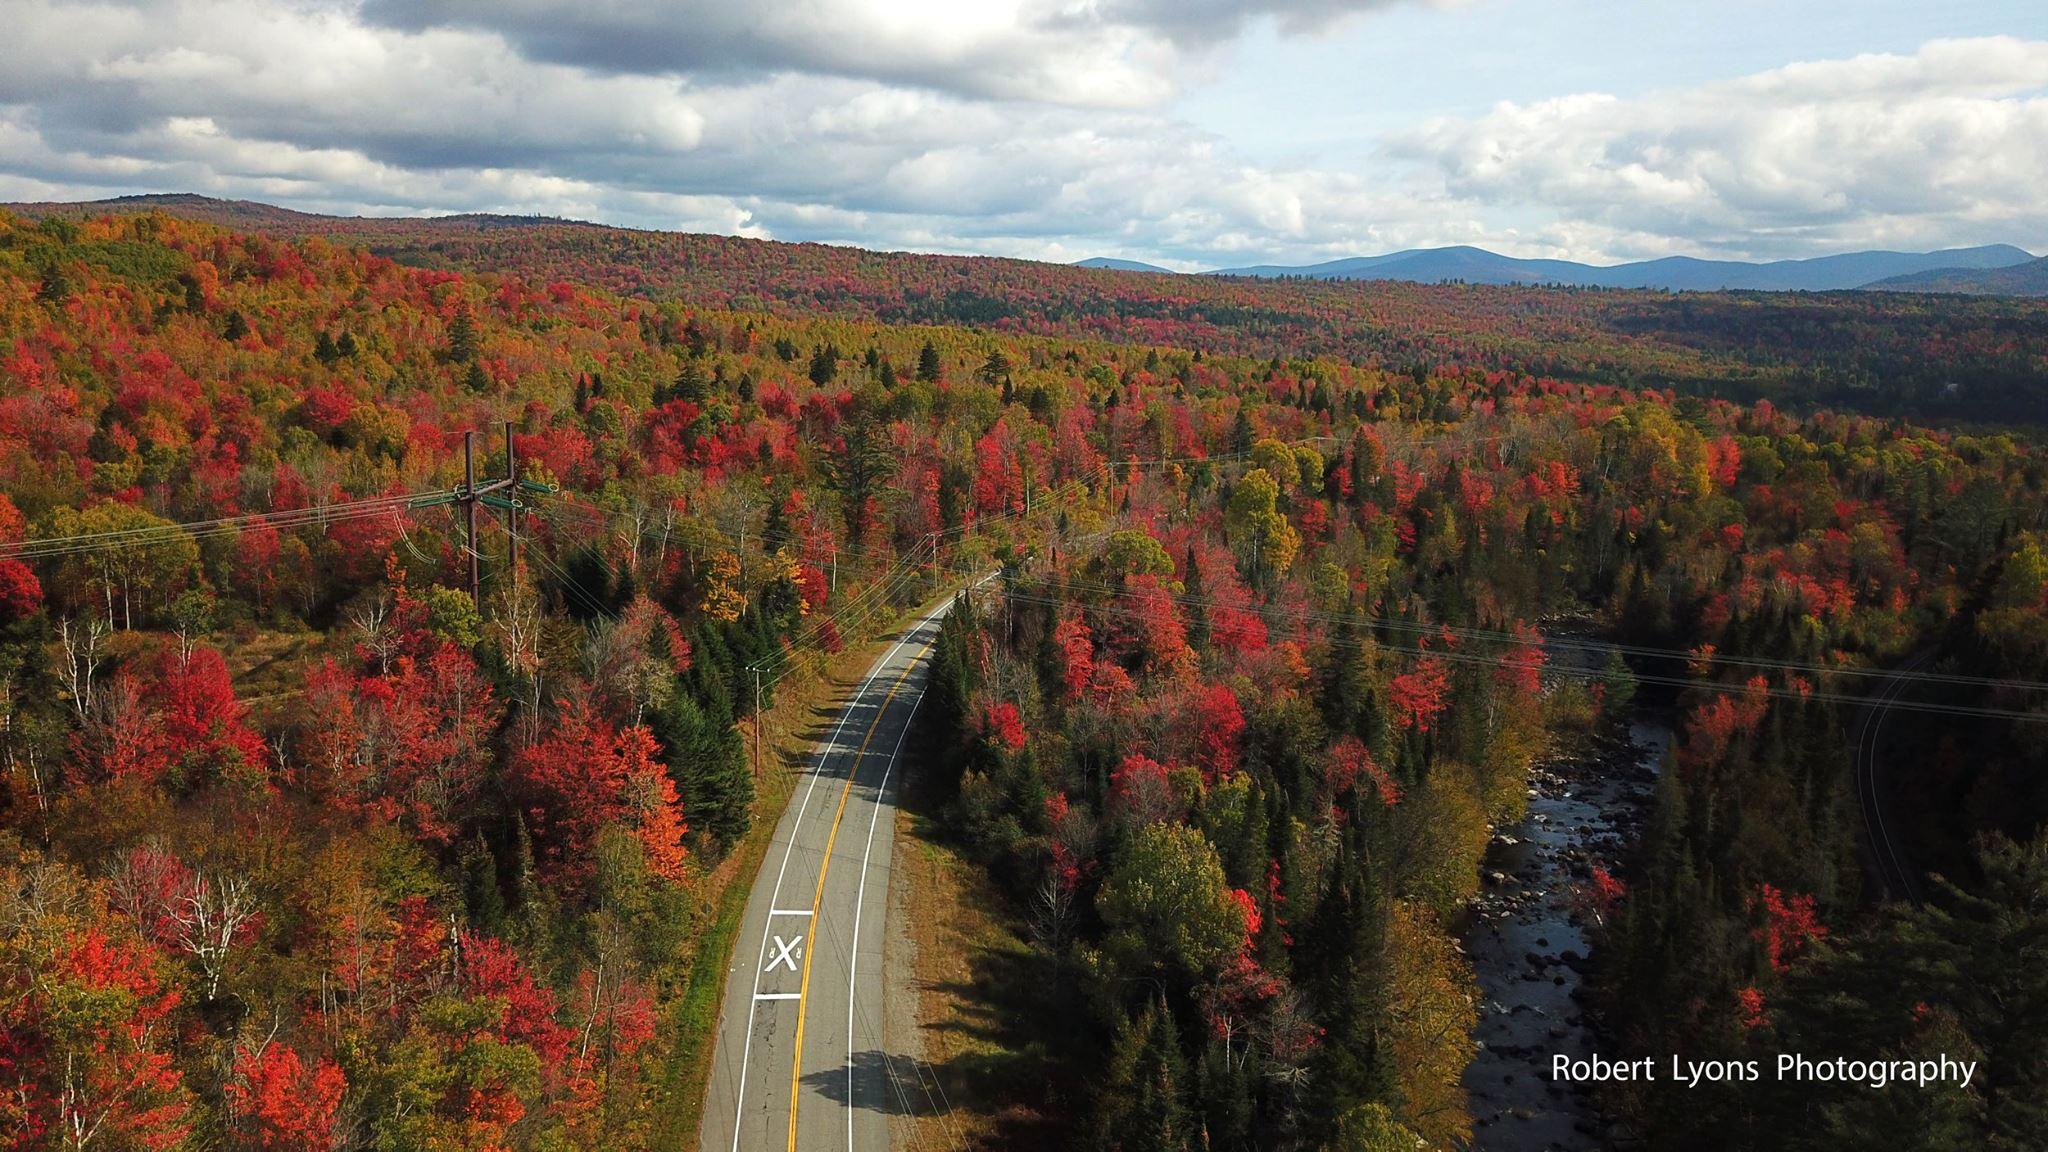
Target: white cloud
x=1024, y=127
x=1947, y=145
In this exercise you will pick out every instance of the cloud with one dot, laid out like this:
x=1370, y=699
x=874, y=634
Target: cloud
x=1085, y=53
x=1949, y=144
x=308, y=104
x=1023, y=127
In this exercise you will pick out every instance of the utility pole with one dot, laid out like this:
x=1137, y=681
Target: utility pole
x=501, y=493
x=512, y=508
x=470, y=542
x=759, y=719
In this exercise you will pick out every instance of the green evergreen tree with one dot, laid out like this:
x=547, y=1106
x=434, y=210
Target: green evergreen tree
x=691, y=383
x=481, y=896
x=707, y=758
x=824, y=365
x=1351, y=1066
x=462, y=338
x=1140, y=1107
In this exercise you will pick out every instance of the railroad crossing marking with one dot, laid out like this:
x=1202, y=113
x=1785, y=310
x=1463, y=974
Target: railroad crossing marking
x=786, y=952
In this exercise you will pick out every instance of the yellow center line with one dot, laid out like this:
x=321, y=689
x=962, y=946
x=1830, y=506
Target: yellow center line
x=803, y=997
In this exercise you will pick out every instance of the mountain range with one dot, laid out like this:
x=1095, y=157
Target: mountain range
x=2029, y=279
x=1994, y=268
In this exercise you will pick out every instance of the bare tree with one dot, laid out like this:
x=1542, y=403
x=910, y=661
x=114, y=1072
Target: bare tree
x=81, y=651
x=198, y=913
x=1052, y=912
x=373, y=623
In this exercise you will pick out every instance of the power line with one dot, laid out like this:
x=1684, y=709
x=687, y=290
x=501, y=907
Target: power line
x=51, y=547
x=1593, y=647
x=1593, y=674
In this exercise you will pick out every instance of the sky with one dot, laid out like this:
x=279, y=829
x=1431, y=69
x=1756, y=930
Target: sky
x=1188, y=133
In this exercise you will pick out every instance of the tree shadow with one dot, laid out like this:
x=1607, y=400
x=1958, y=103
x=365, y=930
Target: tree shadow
x=1021, y=1014
x=878, y=1084
x=1018, y=1012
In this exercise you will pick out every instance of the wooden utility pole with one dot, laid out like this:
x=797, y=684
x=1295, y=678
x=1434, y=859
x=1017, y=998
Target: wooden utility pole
x=759, y=719
x=470, y=542
x=512, y=508
x=502, y=493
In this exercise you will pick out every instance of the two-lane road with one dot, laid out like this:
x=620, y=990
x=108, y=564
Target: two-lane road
x=800, y=1060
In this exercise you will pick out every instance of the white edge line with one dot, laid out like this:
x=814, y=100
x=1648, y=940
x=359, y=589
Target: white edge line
x=739, y=1095
x=860, y=899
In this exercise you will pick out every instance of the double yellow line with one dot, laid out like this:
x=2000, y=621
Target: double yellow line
x=803, y=1000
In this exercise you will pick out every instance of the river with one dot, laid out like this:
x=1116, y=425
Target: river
x=1527, y=940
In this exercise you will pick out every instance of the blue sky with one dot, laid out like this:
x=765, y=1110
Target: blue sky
x=1194, y=133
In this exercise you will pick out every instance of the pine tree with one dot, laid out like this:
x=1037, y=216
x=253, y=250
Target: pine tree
x=1140, y=1108
x=481, y=895
x=707, y=758
x=462, y=340
x=1225, y=1085
x=860, y=468
x=928, y=366
x=690, y=384
x=1352, y=1066
x=825, y=365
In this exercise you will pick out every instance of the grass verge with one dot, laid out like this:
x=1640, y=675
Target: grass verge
x=997, y=1021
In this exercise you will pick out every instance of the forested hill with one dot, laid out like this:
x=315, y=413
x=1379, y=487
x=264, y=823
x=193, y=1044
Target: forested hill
x=301, y=847
x=1892, y=354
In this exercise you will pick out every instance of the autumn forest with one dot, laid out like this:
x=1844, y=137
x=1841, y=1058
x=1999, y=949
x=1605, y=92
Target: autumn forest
x=1270, y=597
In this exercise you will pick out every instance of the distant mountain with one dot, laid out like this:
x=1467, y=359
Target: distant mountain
x=2029, y=279
x=1677, y=273
x=255, y=216
x=1998, y=269
x=1121, y=265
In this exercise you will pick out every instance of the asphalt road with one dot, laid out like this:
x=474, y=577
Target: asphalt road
x=800, y=1061
x=1883, y=855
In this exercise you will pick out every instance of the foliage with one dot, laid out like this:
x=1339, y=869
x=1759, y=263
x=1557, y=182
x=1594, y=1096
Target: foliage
x=327, y=855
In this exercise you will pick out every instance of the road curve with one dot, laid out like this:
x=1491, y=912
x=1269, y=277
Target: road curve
x=800, y=1059
x=1886, y=858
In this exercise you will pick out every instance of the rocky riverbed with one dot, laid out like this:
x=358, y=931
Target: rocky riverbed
x=1527, y=941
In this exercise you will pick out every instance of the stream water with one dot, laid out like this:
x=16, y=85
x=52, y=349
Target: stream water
x=1527, y=941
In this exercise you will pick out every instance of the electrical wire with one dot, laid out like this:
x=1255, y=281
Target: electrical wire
x=1598, y=648
x=52, y=547
x=1453, y=656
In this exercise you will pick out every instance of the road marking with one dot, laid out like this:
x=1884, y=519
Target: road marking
x=789, y=912
x=778, y=995
x=786, y=952
x=796, y=1065
x=860, y=899
x=739, y=1095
